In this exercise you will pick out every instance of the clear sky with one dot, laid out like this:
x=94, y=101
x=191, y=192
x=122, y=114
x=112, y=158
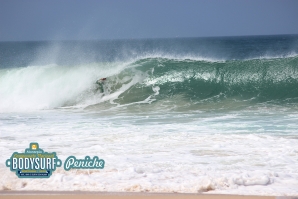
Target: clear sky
x=22, y=20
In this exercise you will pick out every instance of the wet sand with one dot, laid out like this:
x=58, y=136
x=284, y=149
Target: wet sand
x=111, y=195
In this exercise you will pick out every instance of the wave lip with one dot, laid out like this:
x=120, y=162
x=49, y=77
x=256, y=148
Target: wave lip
x=257, y=80
x=182, y=82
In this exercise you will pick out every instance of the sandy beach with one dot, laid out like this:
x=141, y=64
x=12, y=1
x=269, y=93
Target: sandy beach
x=111, y=195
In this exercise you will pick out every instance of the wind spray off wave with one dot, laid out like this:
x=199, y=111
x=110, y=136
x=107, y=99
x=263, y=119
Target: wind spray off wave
x=148, y=80
x=215, y=115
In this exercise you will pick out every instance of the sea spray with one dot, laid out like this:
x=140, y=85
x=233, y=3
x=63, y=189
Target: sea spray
x=157, y=79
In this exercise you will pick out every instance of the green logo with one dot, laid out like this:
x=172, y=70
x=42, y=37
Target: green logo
x=73, y=163
x=34, y=163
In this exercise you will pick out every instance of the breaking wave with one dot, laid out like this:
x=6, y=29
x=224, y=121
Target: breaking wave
x=152, y=80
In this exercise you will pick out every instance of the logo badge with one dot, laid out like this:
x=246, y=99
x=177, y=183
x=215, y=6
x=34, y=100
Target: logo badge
x=34, y=163
x=73, y=163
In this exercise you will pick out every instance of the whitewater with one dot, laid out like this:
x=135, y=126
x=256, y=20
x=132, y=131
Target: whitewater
x=192, y=115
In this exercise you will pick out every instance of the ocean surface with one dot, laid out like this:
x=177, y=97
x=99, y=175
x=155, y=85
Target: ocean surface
x=187, y=115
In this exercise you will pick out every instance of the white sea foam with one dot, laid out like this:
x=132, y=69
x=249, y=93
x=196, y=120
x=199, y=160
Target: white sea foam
x=207, y=153
x=204, y=148
x=52, y=86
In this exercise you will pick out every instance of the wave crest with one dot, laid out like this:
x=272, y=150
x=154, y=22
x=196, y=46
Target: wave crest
x=149, y=80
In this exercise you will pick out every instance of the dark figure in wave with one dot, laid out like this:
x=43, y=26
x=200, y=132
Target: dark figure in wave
x=100, y=84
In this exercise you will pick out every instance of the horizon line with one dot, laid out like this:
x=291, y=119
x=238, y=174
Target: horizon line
x=152, y=38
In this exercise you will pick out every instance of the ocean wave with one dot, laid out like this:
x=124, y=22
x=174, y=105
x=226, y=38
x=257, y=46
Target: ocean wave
x=149, y=79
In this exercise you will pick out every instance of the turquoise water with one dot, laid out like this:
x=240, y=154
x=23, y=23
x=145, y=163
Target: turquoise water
x=212, y=115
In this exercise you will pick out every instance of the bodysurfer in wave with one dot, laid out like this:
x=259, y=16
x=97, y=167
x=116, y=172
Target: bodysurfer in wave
x=100, y=82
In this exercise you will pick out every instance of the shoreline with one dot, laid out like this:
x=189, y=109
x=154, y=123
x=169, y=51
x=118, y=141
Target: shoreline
x=122, y=195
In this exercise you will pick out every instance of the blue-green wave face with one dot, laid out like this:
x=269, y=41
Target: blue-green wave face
x=153, y=84
x=189, y=83
x=150, y=75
